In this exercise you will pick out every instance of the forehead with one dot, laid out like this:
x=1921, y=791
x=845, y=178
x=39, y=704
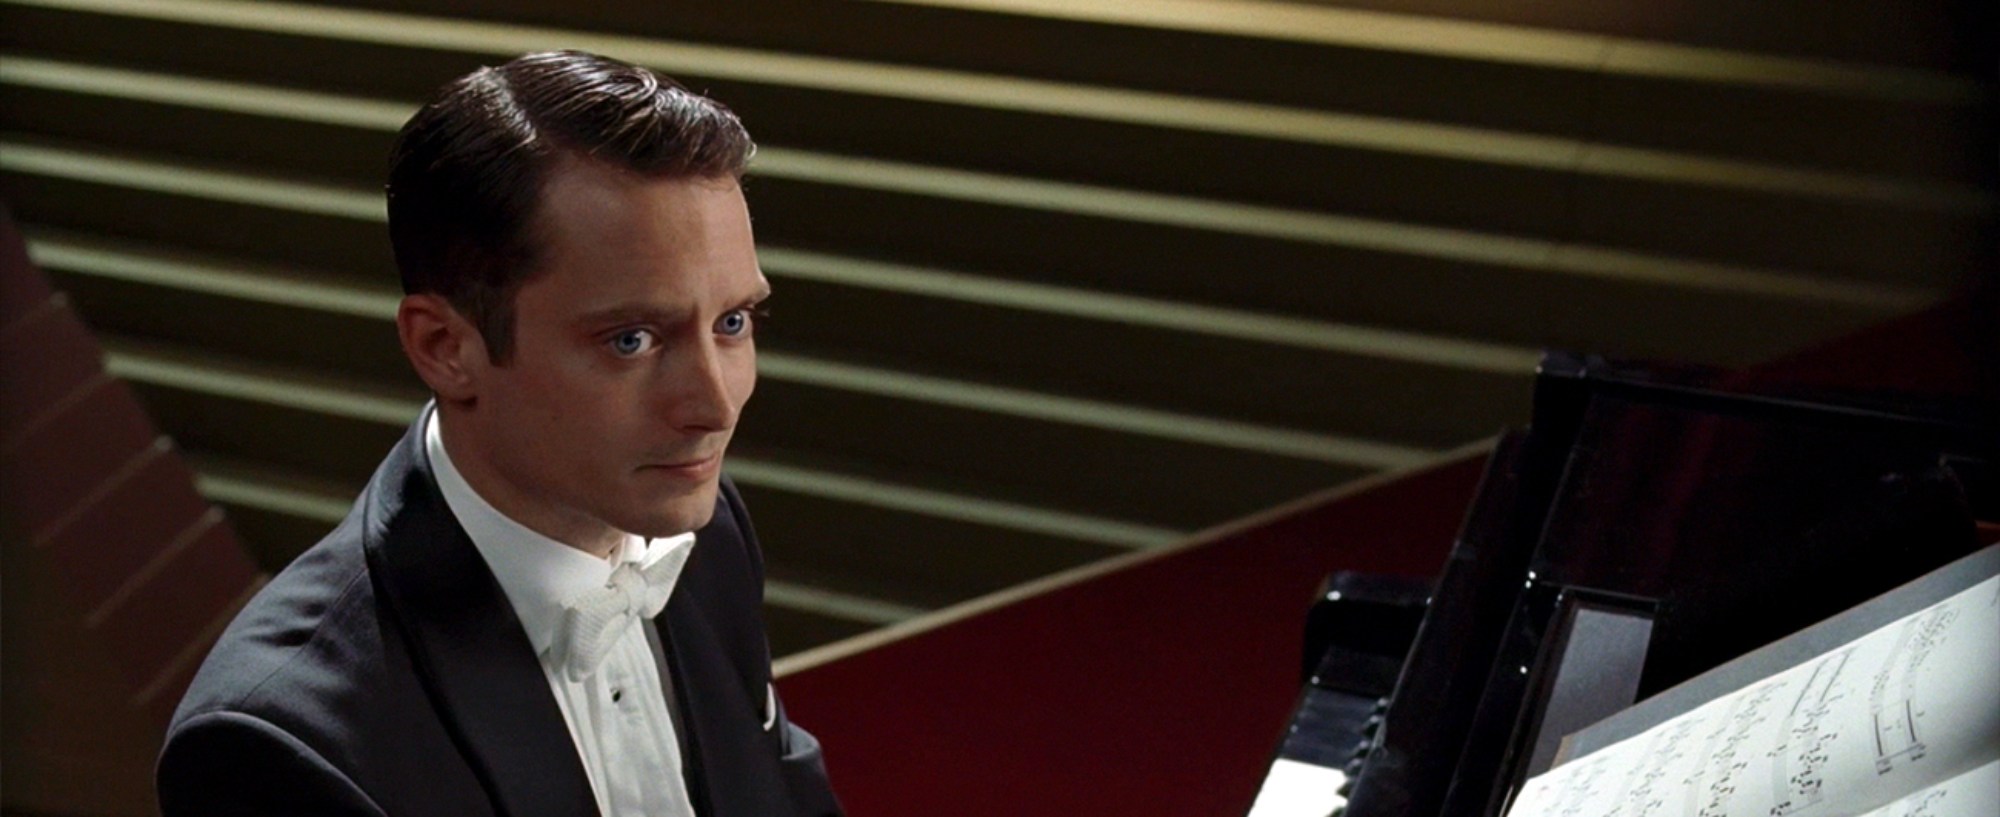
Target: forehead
x=611, y=237
x=596, y=202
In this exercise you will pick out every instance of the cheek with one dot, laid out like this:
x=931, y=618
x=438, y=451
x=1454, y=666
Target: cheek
x=743, y=378
x=742, y=389
x=550, y=404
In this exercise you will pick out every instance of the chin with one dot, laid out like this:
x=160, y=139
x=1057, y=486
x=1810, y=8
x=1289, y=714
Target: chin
x=675, y=516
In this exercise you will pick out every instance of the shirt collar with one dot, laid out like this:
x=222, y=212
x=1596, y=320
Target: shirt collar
x=538, y=574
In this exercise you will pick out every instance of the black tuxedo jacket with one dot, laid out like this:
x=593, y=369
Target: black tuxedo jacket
x=383, y=672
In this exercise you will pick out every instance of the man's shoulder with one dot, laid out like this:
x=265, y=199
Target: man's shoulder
x=317, y=625
x=314, y=670
x=303, y=638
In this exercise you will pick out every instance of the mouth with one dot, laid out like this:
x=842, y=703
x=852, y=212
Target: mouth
x=695, y=469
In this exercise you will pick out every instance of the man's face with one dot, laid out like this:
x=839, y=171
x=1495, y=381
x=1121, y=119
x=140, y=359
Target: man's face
x=632, y=356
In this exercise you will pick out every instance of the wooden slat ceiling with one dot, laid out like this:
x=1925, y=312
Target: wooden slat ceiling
x=1056, y=281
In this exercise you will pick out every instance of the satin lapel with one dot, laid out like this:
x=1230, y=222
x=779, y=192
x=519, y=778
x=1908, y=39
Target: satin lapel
x=712, y=640
x=681, y=627
x=469, y=649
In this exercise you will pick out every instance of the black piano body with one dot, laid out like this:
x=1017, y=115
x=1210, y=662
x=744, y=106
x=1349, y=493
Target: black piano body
x=1651, y=524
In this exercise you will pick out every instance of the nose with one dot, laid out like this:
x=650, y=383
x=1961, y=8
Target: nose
x=702, y=394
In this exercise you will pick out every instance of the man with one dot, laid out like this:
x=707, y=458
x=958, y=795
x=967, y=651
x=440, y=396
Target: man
x=515, y=618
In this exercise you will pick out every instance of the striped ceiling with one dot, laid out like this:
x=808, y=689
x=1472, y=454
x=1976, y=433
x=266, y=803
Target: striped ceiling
x=1056, y=280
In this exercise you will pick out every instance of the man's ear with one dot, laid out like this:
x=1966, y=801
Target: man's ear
x=445, y=348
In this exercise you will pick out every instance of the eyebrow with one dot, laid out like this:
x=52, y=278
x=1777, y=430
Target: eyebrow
x=648, y=313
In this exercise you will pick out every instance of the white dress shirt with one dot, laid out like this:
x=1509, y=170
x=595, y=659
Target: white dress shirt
x=618, y=715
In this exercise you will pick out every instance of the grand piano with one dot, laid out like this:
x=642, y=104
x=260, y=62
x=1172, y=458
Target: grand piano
x=1170, y=683
x=1649, y=525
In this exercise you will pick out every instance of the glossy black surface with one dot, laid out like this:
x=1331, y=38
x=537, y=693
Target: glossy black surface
x=1736, y=517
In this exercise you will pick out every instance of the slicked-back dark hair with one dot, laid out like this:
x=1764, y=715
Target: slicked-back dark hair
x=467, y=171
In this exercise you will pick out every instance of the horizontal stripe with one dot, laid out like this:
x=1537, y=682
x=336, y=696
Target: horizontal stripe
x=1439, y=243
x=1237, y=324
x=303, y=391
x=1372, y=30
x=1489, y=42
x=258, y=283
x=237, y=489
x=1443, y=244
x=957, y=507
x=203, y=183
x=270, y=101
x=1556, y=154
x=1106, y=416
x=310, y=393
x=835, y=604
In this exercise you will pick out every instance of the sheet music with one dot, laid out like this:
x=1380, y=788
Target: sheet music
x=1907, y=711
x=1972, y=794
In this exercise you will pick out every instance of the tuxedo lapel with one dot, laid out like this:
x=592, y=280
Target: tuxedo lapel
x=469, y=648
x=731, y=764
x=679, y=624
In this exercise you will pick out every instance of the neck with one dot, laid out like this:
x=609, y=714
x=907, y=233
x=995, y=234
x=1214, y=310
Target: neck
x=469, y=456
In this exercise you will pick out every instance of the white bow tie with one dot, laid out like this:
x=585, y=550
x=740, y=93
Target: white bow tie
x=594, y=621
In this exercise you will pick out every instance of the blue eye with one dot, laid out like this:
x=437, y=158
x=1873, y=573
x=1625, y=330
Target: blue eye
x=632, y=342
x=734, y=323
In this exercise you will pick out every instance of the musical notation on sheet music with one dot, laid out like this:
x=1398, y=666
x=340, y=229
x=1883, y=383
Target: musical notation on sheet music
x=1898, y=723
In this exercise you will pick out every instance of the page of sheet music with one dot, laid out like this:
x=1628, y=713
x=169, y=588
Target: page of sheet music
x=1968, y=795
x=1909, y=708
